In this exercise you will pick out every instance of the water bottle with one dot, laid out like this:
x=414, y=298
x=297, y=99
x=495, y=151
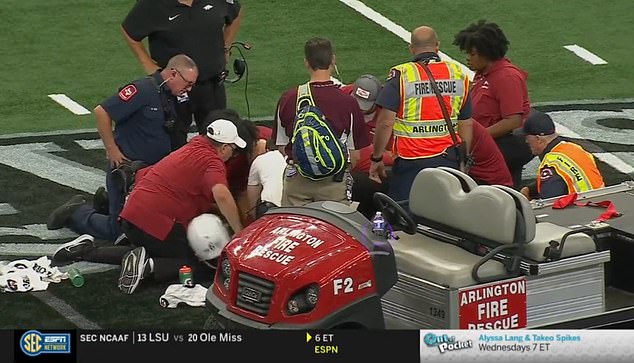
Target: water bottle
x=75, y=277
x=378, y=224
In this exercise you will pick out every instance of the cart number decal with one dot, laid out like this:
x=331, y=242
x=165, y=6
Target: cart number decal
x=345, y=284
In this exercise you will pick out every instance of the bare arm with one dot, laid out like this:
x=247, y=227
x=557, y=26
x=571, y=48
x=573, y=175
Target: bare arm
x=138, y=49
x=383, y=131
x=505, y=125
x=232, y=29
x=227, y=206
x=104, y=127
x=465, y=130
x=253, y=193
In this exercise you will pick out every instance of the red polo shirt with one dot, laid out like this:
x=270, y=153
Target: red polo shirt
x=499, y=93
x=176, y=189
x=490, y=167
x=340, y=109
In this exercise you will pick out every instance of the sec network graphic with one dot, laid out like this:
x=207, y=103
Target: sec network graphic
x=34, y=343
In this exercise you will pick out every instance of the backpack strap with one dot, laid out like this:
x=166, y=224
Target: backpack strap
x=304, y=96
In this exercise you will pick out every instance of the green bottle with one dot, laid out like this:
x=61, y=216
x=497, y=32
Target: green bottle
x=75, y=277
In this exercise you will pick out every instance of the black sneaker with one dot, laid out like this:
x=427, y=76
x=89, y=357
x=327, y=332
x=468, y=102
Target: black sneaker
x=74, y=250
x=132, y=270
x=60, y=216
x=100, y=201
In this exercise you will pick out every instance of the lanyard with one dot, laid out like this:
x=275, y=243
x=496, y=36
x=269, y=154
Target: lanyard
x=571, y=199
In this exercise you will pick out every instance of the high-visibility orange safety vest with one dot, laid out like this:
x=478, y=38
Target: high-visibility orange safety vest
x=420, y=130
x=575, y=166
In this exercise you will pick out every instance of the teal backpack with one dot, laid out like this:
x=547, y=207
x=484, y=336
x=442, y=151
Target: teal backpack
x=317, y=152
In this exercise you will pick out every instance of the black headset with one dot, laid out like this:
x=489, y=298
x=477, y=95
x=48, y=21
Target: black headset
x=240, y=69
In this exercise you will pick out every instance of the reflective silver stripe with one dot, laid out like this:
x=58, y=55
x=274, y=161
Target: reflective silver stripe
x=422, y=89
x=422, y=129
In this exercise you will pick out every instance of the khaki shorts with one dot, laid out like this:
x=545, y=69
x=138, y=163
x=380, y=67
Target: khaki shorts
x=299, y=190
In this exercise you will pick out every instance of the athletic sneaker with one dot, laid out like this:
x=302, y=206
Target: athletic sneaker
x=132, y=270
x=74, y=250
x=60, y=216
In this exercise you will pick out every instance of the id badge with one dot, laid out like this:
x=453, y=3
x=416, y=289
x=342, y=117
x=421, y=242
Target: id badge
x=182, y=98
x=290, y=171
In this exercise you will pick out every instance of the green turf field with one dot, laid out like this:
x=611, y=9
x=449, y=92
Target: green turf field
x=75, y=47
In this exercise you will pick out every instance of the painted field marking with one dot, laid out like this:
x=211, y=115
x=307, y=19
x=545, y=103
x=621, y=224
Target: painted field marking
x=7, y=209
x=70, y=104
x=394, y=28
x=67, y=311
x=585, y=54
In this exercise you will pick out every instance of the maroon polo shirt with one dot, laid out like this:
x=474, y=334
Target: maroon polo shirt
x=499, y=93
x=176, y=189
x=341, y=110
x=490, y=167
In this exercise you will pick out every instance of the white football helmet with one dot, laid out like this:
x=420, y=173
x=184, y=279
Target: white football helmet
x=207, y=236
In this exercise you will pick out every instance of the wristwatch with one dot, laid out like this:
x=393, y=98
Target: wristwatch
x=377, y=159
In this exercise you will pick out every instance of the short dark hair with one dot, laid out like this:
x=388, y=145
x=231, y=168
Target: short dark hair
x=487, y=38
x=318, y=52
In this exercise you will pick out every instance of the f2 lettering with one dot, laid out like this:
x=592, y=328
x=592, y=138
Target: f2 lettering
x=344, y=284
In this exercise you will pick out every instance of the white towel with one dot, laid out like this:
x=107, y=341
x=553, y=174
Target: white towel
x=28, y=275
x=177, y=293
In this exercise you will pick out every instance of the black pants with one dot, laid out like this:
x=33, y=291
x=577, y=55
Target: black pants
x=363, y=190
x=169, y=255
x=516, y=154
x=204, y=97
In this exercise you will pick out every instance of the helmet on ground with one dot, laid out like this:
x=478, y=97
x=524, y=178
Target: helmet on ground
x=207, y=236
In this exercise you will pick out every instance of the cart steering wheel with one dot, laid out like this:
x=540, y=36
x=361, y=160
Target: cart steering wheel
x=394, y=214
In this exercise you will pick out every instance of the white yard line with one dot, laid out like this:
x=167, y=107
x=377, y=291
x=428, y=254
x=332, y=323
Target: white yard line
x=70, y=104
x=65, y=310
x=585, y=54
x=607, y=158
x=394, y=28
x=7, y=209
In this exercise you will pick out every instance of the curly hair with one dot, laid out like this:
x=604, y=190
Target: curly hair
x=487, y=39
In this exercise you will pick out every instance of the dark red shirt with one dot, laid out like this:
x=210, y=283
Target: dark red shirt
x=499, y=93
x=340, y=109
x=490, y=167
x=176, y=189
x=238, y=167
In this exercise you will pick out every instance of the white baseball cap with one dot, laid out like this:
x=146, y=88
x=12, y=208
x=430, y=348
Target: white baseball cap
x=225, y=132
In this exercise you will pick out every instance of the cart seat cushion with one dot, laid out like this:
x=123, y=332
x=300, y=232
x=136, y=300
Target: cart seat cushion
x=485, y=211
x=467, y=182
x=576, y=244
x=440, y=262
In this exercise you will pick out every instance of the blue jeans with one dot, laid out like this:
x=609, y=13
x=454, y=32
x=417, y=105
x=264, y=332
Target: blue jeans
x=104, y=227
x=404, y=172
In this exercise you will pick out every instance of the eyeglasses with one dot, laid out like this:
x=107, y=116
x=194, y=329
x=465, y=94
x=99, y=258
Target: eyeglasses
x=189, y=83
